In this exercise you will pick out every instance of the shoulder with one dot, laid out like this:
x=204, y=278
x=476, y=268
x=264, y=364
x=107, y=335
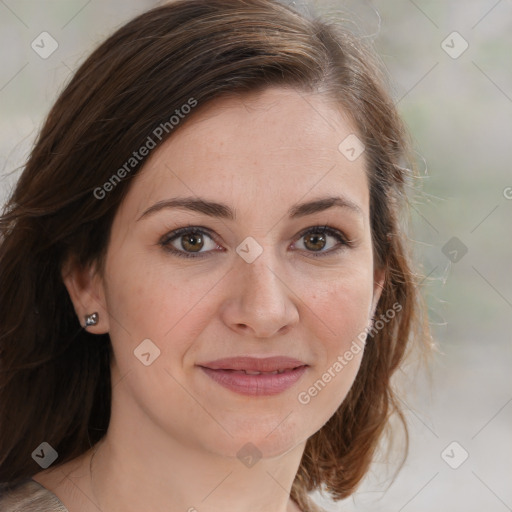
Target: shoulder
x=30, y=496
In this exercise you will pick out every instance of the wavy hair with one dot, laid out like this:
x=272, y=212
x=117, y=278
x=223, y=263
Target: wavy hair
x=54, y=381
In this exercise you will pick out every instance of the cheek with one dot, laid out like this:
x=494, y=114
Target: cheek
x=155, y=301
x=338, y=314
x=339, y=308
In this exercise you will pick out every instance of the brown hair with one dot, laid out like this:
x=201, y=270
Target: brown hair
x=54, y=382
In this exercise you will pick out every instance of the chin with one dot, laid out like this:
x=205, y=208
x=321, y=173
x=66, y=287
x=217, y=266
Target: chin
x=266, y=439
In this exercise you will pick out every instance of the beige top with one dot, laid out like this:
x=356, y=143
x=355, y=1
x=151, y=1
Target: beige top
x=30, y=496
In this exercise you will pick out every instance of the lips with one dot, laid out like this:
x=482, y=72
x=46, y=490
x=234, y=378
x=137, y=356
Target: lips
x=255, y=366
x=250, y=372
x=255, y=376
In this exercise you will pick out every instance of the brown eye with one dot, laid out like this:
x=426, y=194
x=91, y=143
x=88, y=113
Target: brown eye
x=187, y=242
x=316, y=239
x=192, y=242
x=315, y=242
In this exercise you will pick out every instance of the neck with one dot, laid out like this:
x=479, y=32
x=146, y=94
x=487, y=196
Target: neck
x=139, y=465
x=129, y=473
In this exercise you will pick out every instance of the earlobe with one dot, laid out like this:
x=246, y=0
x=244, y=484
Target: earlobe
x=86, y=291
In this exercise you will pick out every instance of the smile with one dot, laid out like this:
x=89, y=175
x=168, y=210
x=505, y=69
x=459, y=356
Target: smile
x=255, y=383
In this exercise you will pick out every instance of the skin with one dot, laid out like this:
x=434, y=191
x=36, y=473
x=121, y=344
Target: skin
x=174, y=433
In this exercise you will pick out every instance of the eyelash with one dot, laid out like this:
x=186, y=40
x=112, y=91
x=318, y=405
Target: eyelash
x=170, y=237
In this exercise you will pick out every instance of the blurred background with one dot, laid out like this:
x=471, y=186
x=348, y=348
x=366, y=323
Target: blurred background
x=451, y=77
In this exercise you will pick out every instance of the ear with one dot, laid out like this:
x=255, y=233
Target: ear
x=379, y=277
x=86, y=290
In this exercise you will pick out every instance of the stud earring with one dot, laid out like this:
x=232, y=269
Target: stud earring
x=91, y=319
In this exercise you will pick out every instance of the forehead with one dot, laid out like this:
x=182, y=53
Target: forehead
x=268, y=148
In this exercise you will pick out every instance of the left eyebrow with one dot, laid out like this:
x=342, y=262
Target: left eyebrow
x=223, y=211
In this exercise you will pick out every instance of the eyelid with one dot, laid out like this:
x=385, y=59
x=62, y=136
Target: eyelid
x=188, y=228
x=331, y=231
x=343, y=240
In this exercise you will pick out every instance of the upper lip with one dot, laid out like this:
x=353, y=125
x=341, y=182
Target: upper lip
x=254, y=364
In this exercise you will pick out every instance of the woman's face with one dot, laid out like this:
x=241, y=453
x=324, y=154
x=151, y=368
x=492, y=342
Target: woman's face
x=249, y=279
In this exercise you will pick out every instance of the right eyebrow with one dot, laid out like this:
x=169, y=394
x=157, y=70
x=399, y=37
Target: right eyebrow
x=223, y=211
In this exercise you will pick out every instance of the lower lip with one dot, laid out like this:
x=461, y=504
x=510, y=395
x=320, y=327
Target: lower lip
x=255, y=385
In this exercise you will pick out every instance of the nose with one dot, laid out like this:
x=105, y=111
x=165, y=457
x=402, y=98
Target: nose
x=262, y=303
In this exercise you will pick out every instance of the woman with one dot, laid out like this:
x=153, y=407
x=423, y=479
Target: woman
x=205, y=286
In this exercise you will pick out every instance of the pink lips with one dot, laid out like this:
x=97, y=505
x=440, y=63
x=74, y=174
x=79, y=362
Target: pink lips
x=255, y=376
